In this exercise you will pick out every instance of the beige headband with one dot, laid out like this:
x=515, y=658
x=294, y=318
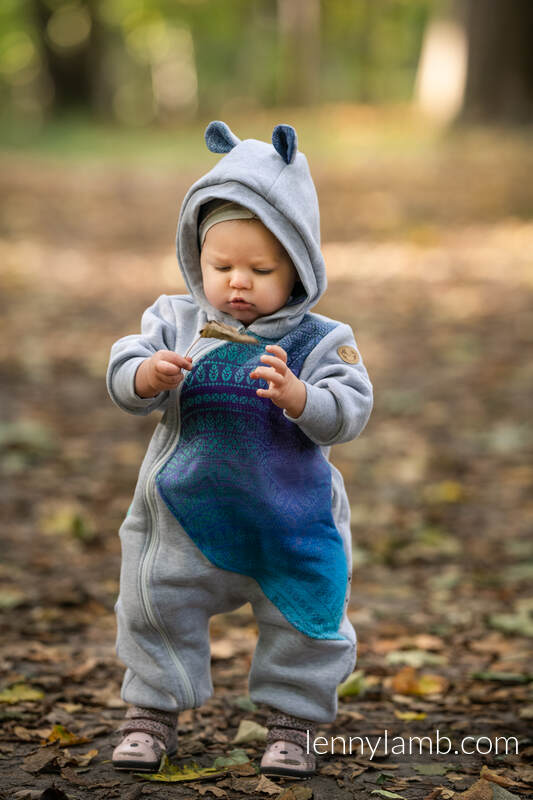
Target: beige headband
x=223, y=213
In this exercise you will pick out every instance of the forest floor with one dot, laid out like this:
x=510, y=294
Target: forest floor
x=431, y=265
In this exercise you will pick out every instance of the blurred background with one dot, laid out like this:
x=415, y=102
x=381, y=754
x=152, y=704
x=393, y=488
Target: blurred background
x=416, y=118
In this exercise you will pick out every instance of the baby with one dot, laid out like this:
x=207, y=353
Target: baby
x=236, y=499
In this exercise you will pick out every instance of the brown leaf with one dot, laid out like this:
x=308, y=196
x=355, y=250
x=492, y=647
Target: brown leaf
x=296, y=792
x=219, y=330
x=485, y=790
x=243, y=770
x=495, y=777
x=267, y=786
x=41, y=759
x=202, y=789
x=246, y=785
x=70, y=775
x=331, y=769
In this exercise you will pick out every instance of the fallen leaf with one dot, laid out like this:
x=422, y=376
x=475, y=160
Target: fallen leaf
x=408, y=715
x=70, y=774
x=246, y=785
x=12, y=598
x=408, y=682
x=504, y=677
x=26, y=735
x=250, y=731
x=296, y=792
x=171, y=773
x=485, y=790
x=331, y=769
x=64, y=737
x=44, y=757
x=244, y=703
x=354, y=685
x=83, y=669
x=237, y=756
x=358, y=771
x=80, y=759
x=243, y=770
x=415, y=658
x=520, y=622
x=213, y=789
x=385, y=793
x=20, y=692
x=266, y=786
x=495, y=777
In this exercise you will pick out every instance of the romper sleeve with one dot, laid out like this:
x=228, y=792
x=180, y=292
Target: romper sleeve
x=158, y=332
x=339, y=396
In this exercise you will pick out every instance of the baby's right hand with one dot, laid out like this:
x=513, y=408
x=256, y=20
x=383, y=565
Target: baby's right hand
x=160, y=373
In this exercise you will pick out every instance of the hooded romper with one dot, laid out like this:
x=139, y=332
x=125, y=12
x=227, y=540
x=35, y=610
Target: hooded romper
x=237, y=501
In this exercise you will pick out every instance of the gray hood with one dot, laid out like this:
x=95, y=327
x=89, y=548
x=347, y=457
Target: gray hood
x=273, y=181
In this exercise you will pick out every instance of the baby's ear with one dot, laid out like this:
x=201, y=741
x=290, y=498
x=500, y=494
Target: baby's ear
x=285, y=142
x=219, y=138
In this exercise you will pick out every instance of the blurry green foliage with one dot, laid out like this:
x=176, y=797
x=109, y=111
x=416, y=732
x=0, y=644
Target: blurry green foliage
x=142, y=61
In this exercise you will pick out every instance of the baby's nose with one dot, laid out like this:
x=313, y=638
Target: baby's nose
x=239, y=280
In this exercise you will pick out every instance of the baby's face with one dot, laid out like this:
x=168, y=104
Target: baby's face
x=246, y=272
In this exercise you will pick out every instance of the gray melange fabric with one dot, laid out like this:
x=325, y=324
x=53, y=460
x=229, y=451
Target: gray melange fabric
x=169, y=589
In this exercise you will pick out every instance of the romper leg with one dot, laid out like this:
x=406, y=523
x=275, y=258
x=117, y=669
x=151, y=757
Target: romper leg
x=168, y=592
x=295, y=673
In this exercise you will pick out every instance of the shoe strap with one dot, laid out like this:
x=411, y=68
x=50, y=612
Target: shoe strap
x=161, y=724
x=290, y=729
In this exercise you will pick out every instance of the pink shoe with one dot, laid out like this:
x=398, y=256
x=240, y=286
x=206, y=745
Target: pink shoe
x=286, y=752
x=148, y=735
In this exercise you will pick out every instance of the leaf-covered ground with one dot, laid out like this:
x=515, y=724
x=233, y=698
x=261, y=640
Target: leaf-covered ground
x=430, y=262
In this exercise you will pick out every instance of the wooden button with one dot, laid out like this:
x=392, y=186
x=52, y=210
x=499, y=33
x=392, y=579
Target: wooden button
x=348, y=354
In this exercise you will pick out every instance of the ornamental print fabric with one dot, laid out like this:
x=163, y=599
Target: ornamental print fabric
x=252, y=490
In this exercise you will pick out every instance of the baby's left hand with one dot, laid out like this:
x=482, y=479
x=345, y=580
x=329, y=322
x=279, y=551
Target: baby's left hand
x=284, y=388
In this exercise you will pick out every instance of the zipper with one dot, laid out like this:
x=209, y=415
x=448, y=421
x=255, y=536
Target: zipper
x=149, y=553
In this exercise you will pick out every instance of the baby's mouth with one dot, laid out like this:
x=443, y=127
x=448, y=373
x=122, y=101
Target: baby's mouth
x=239, y=302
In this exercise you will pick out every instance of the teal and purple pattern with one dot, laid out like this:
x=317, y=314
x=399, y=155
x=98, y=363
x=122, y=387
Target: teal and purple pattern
x=252, y=490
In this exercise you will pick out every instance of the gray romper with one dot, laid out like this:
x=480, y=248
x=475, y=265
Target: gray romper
x=237, y=501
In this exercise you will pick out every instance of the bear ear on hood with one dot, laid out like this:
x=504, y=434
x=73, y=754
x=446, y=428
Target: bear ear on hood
x=219, y=138
x=285, y=142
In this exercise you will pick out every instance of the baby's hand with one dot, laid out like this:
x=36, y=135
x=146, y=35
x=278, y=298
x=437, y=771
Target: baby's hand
x=284, y=388
x=160, y=373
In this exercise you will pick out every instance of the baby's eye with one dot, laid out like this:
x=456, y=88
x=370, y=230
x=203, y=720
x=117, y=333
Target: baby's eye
x=264, y=271
x=222, y=269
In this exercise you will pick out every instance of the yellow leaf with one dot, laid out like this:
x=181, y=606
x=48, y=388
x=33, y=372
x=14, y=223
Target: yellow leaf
x=250, y=731
x=19, y=693
x=444, y=492
x=406, y=681
x=431, y=684
x=171, y=773
x=65, y=737
x=353, y=685
x=410, y=714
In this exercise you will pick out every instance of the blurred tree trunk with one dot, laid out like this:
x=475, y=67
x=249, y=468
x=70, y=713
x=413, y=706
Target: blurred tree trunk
x=499, y=83
x=74, y=71
x=299, y=30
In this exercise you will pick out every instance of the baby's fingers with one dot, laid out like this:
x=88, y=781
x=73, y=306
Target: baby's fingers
x=170, y=357
x=268, y=374
x=166, y=368
x=278, y=351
